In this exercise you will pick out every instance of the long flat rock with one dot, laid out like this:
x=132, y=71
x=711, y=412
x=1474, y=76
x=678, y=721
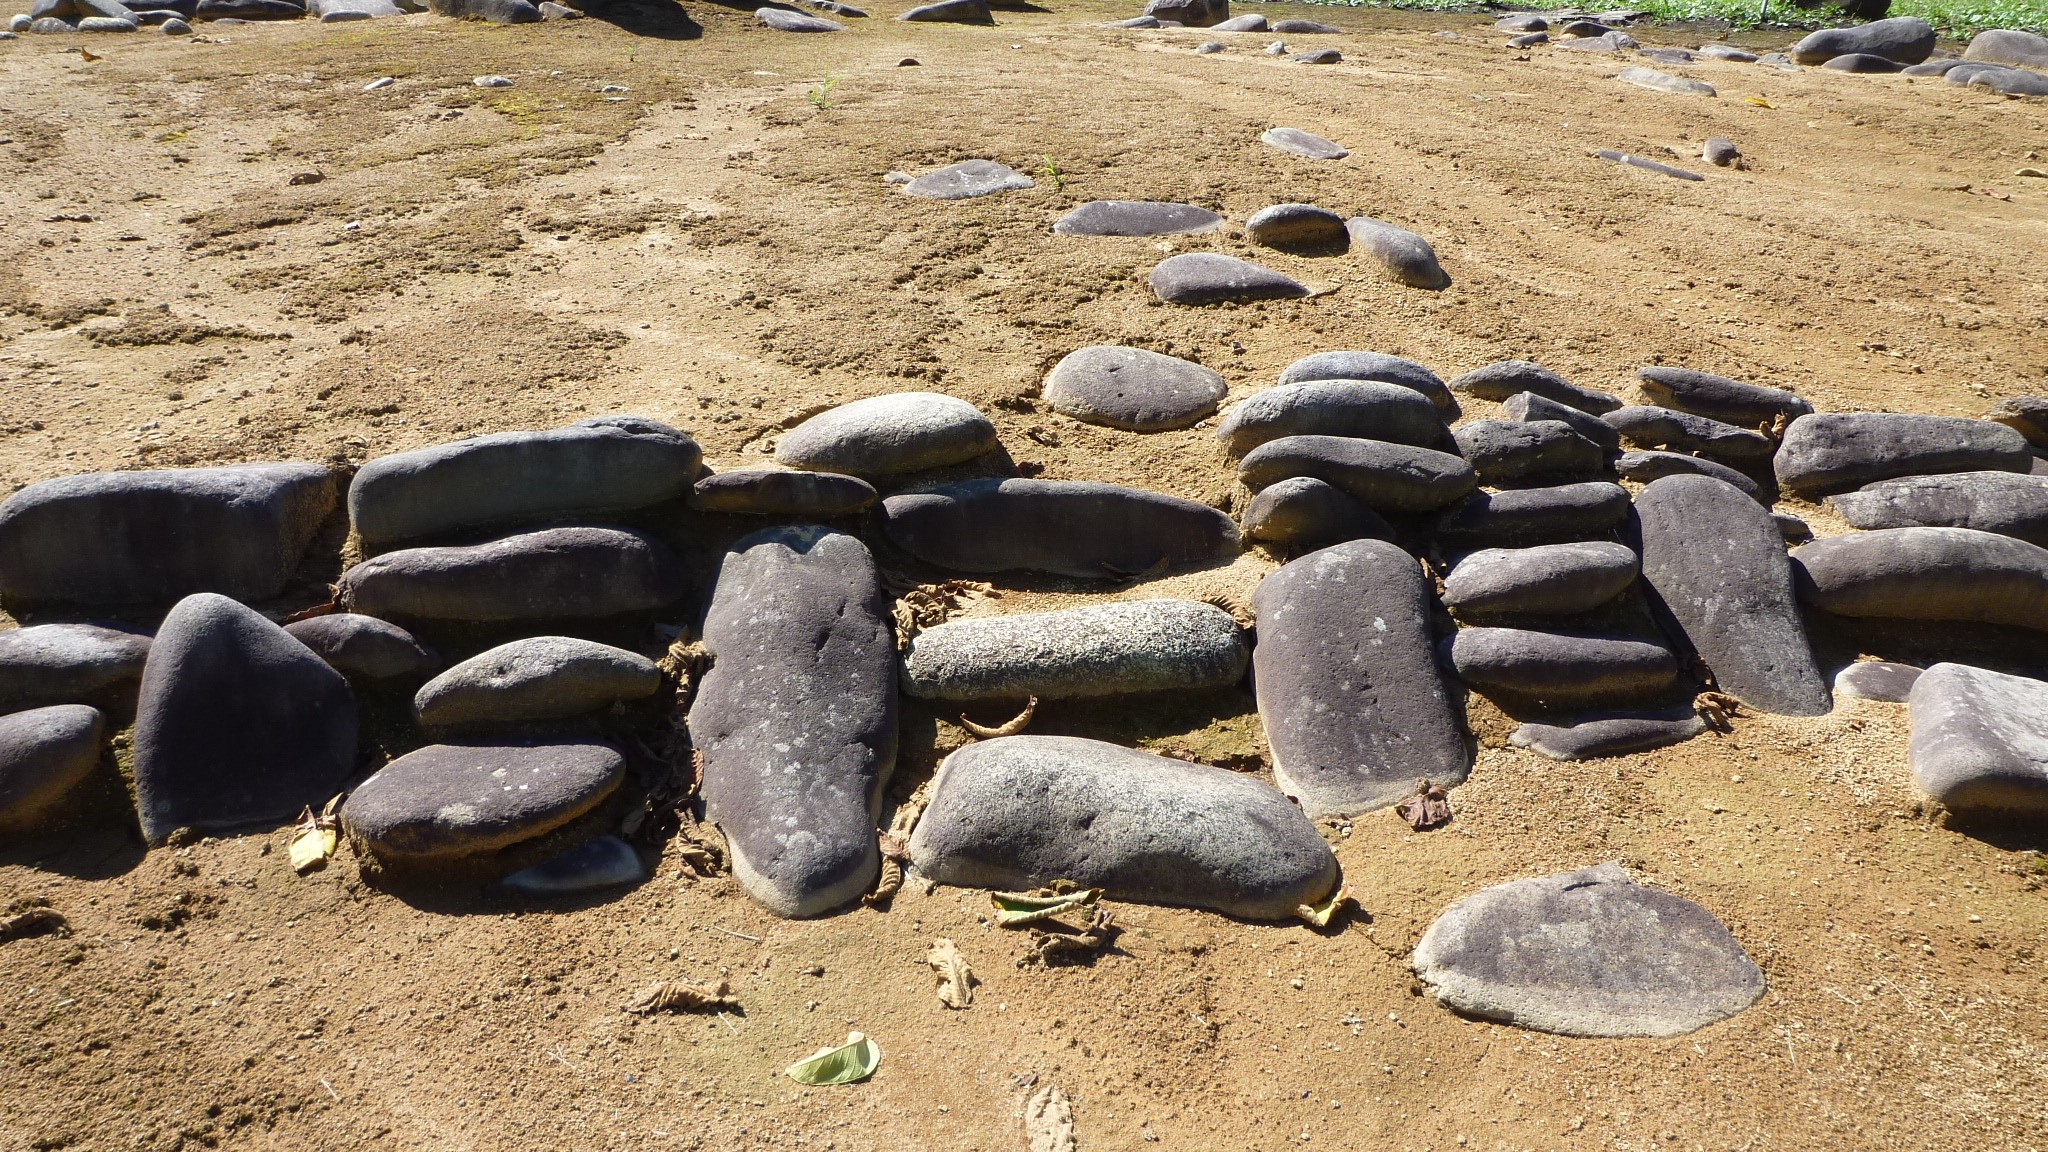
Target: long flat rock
x=1835, y=451
x=1927, y=574
x=47, y=664
x=1095, y=650
x=448, y=802
x=2003, y=502
x=556, y=573
x=1980, y=740
x=1382, y=476
x=1522, y=517
x=1062, y=527
x=1135, y=218
x=1549, y=580
x=1359, y=365
x=1370, y=409
x=1718, y=397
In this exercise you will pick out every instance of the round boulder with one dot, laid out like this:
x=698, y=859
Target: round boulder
x=1132, y=389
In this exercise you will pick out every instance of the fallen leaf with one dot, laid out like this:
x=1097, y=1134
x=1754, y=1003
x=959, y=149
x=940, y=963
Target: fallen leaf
x=1321, y=914
x=314, y=840
x=677, y=996
x=1048, y=948
x=956, y=979
x=1428, y=806
x=1758, y=101
x=1008, y=727
x=1049, y=1121
x=852, y=1061
x=1017, y=908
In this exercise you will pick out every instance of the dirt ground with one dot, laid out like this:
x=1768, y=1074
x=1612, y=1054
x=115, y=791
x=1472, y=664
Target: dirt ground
x=714, y=246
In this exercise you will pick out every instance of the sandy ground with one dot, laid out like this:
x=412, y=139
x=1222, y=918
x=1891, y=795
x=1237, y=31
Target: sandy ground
x=715, y=249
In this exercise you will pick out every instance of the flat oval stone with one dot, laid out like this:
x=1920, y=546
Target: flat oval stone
x=1212, y=278
x=1833, y=452
x=1304, y=28
x=1927, y=574
x=2003, y=502
x=1549, y=580
x=1353, y=704
x=784, y=20
x=1189, y=13
x=2009, y=46
x=1132, y=389
x=1664, y=82
x=1308, y=513
x=556, y=573
x=1647, y=467
x=1602, y=735
x=1504, y=450
x=538, y=678
x=1963, y=72
x=1252, y=22
x=45, y=754
x=2026, y=415
x=49, y=664
x=1527, y=516
x=969, y=178
x=1304, y=144
x=1135, y=218
x=1934, y=67
x=889, y=435
x=1319, y=56
x=364, y=647
x=1980, y=741
x=2011, y=81
x=1877, y=680
x=1587, y=953
x=1906, y=39
x=1097, y=650
x=1528, y=406
x=1383, y=476
x=1295, y=226
x=1373, y=366
x=606, y=862
x=1061, y=527
x=1559, y=670
x=1727, y=52
x=611, y=464
x=1650, y=426
x=448, y=802
x=796, y=719
x=1404, y=256
x=1721, y=152
x=1022, y=811
x=1368, y=409
x=1504, y=378
x=1521, y=22
x=777, y=492
x=1529, y=40
x=1863, y=62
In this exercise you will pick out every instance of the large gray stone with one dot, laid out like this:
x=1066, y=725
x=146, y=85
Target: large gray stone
x=1213, y=278
x=69, y=664
x=1369, y=409
x=538, y=678
x=1022, y=811
x=889, y=435
x=1404, y=256
x=968, y=179
x=1304, y=144
x=785, y=20
x=1528, y=406
x=556, y=573
x=1349, y=692
x=1980, y=741
x=1379, y=366
x=1906, y=39
x=2003, y=502
x=455, y=802
x=1062, y=527
x=1096, y=650
x=1587, y=953
x=2009, y=46
x=1383, y=476
x=1651, y=426
x=1717, y=560
x=149, y=537
x=778, y=492
x=1927, y=574
x=1504, y=378
x=1549, y=580
x=1132, y=389
x=237, y=723
x=2004, y=81
x=1877, y=680
x=796, y=719
x=1647, y=467
x=1522, y=517
x=45, y=754
x=1834, y=452
x=1505, y=450
x=1560, y=670
x=1606, y=734
x=1295, y=226
x=1190, y=13
x=1305, y=512
x=364, y=647
x=1135, y=218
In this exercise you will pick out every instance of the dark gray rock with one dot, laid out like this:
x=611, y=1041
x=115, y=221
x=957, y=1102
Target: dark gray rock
x=796, y=719
x=148, y=537
x=1504, y=450
x=1792, y=528
x=1405, y=257
x=1718, y=397
x=1249, y=23
x=1295, y=226
x=1319, y=56
x=776, y=492
x=1560, y=670
x=1369, y=409
x=1349, y=692
x=1062, y=527
x=337, y=11
x=1599, y=736
x=1611, y=42
x=1503, y=379
x=69, y=664
x=446, y=803
x=488, y=11
x=1980, y=741
x=1664, y=82
x=1095, y=650
x=1373, y=366
x=1521, y=22
x=1927, y=574
x=1721, y=152
x=1666, y=56
x=955, y=12
x=1906, y=39
x=1304, y=144
x=1834, y=452
x=1308, y=513
x=556, y=573
x=1527, y=516
x=1645, y=467
x=1529, y=40
x=1651, y=426
x=969, y=178
x=1132, y=389
x=176, y=26
x=269, y=10
x=1862, y=62
x=1528, y=406
x=51, y=26
x=1135, y=218
x=1385, y=477
x=1584, y=28
x=2026, y=415
x=1934, y=67
x=889, y=435
x=1717, y=560
x=606, y=862
x=104, y=24
x=1212, y=278
x=364, y=647
x=1965, y=71
x=1190, y=13
x=539, y=678
x=2003, y=502
x=1136, y=22
x=784, y=20
x=1587, y=953
x=2004, y=81
x=237, y=723
x=1549, y=580
x=1304, y=28
x=1877, y=680
x=45, y=755
x=2009, y=46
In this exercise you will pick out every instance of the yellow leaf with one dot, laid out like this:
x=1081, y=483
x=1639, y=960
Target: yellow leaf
x=1759, y=102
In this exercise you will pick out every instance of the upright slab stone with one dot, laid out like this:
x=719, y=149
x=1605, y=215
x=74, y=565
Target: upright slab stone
x=1348, y=688
x=1023, y=811
x=45, y=755
x=1404, y=256
x=1834, y=452
x=889, y=435
x=49, y=664
x=796, y=720
x=1307, y=145
x=969, y=179
x=1980, y=741
x=1062, y=527
x=1366, y=409
x=1927, y=574
x=1135, y=218
x=1352, y=365
x=1587, y=953
x=1132, y=389
x=1717, y=560
x=1523, y=517
x=462, y=805
x=2003, y=502
x=1382, y=476
x=237, y=723
x=1505, y=378
x=1652, y=426
x=557, y=573
x=1905, y=39
x=1551, y=580
x=364, y=647
x=779, y=492
x=1096, y=650
x=536, y=679
x=1213, y=278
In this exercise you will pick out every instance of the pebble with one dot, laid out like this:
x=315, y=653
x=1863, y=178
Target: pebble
x=605, y=862
x=1295, y=226
x=796, y=720
x=1405, y=257
x=779, y=492
x=952, y=12
x=1306, y=513
x=1136, y=218
x=2027, y=415
x=536, y=679
x=1927, y=574
x=1862, y=62
x=1718, y=397
x=1780, y=61
x=1304, y=28
x=1059, y=527
x=1877, y=680
x=449, y=803
x=1528, y=406
x=1560, y=670
x=1189, y=13
x=2009, y=46
x=1644, y=467
x=45, y=755
x=1352, y=701
x=889, y=435
x=364, y=647
x=1302, y=143
x=784, y=20
x=1980, y=741
x=1350, y=365
x=556, y=573
x=1664, y=82
x=1370, y=409
x=1320, y=56
x=380, y=83
x=1209, y=48
x=1548, y=580
x=1385, y=477
x=1587, y=953
x=493, y=81
x=1096, y=650
x=47, y=664
x=1508, y=450
x=1212, y=278
x=2003, y=502
x=1252, y=22
x=969, y=178
x=1727, y=52
x=1523, y=517
x=1503, y=379
x=1652, y=426
x=1605, y=734
x=1132, y=389
x=1905, y=39
x=1827, y=453
x=1584, y=29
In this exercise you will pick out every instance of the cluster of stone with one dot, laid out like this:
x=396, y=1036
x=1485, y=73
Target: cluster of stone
x=176, y=17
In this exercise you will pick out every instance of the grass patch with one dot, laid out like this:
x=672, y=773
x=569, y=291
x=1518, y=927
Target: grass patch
x=1956, y=18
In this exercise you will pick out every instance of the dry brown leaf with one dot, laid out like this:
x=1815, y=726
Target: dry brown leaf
x=1716, y=708
x=1010, y=727
x=677, y=996
x=1050, y=948
x=924, y=605
x=956, y=979
x=1428, y=806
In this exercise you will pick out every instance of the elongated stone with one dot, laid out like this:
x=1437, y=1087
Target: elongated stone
x=45, y=754
x=1213, y=278
x=1097, y=650
x=1561, y=670
x=556, y=573
x=1504, y=378
x=1252, y=22
x=48, y=664
x=1606, y=734
x=1374, y=366
x=1650, y=426
x=1304, y=144
x=1647, y=467
x=606, y=862
x=538, y=678
x=969, y=178
x=1353, y=704
x=1980, y=741
x=1062, y=527
x=1295, y=226
x=1023, y=811
x=1927, y=574
x=1305, y=512
x=2026, y=415
x=1132, y=389
x=1367, y=409
x=889, y=435
x=364, y=647
x=1404, y=256
x=1136, y=218
x=1529, y=407
x=775, y=492
x=1550, y=580
x=1505, y=450
x=2017, y=48
x=796, y=719
x=1834, y=452
x=784, y=20
x=1383, y=476
x=2002, y=502
x=1522, y=517
x=1906, y=39
x=446, y=803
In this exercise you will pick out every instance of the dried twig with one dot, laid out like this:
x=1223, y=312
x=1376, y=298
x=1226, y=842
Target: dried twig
x=1008, y=727
x=1716, y=708
x=677, y=996
x=1050, y=948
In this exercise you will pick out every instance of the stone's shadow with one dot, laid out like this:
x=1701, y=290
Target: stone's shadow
x=1218, y=726
x=1839, y=640
x=98, y=838
x=655, y=19
x=2013, y=834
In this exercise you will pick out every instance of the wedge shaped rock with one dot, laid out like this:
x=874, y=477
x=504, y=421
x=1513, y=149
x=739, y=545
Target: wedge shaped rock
x=538, y=678
x=889, y=435
x=1097, y=650
x=556, y=573
x=1366, y=409
x=1212, y=278
x=1061, y=527
x=1382, y=476
x=1132, y=389
x=459, y=802
x=1404, y=256
x=776, y=492
x=2003, y=502
x=1504, y=378
x=47, y=664
x=1305, y=512
x=1373, y=366
x=1522, y=517
x=1530, y=408
x=1980, y=741
x=1927, y=574
x=1561, y=670
x=1834, y=452
x=1606, y=734
x=364, y=647
x=1651, y=426
x=45, y=755
x=1135, y=218
x=1507, y=450
x=1549, y=580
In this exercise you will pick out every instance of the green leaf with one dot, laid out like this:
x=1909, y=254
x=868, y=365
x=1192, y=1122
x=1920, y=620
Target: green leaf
x=1016, y=908
x=854, y=1060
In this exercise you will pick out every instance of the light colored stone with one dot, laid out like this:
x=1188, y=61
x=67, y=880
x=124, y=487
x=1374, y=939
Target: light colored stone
x=889, y=435
x=1096, y=650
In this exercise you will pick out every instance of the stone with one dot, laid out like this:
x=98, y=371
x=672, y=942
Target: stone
x=1934, y=67
x=112, y=538
x=1385, y=477
x=1967, y=70
x=2009, y=46
x=1373, y=366
x=1717, y=561
x=1190, y=13
x=1728, y=52
x=1605, y=734
x=1792, y=528
x=1136, y=218
x=1096, y=650
x=1304, y=144
x=1405, y=257
x=364, y=647
x=1718, y=397
x=20, y=22
x=1652, y=426
x=1560, y=670
x=47, y=664
x=2003, y=502
x=1587, y=953
x=1522, y=517
x=1647, y=165
x=1905, y=39
x=969, y=178
x=1877, y=680
x=336, y=11
x=488, y=11
x=556, y=573
x=104, y=24
x=889, y=435
x=1529, y=40
x=1306, y=513
x=1584, y=28
x=784, y=20
x=249, y=10
x=1721, y=152
x=1980, y=741
x=1059, y=527
x=1023, y=811
x=1528, y=406
x=552, y=11
x=1354, y=707
x=45, y=755
x=1505, y=378
x=605, y=862
x=1646, y=467
x=1249, y=23
x=796, y=720
x=1506, y=450
x=1213, y=278
x=1521, y=22
x=237, y=723
x=449, y=803
x=1779, y=61
x=607, y=465
x=1862, y=62
x=536, y=679
x=1833, y=452
x=1369, y=409
x=1320, y=56
x=778, y=492
x=1548, y=580
x=1937, y=574
x=1611, y=42
x=1136, y=22
x=1666, y=56
x=1132, y=389
x=1304, y=28
x=51, y=26
x=1295, y=226
x=176, y=27
x=2011, y=82
x=2027, y=415
x=1664, y=82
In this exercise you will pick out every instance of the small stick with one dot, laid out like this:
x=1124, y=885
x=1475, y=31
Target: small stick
x=730, y=932
x=330, y=1091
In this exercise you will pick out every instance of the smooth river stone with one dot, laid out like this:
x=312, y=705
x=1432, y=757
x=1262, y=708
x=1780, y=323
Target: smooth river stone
x=1295, y=226
x=1906, y=39
x=796, y=719
x=1212, y=278
x=1505, y=450
x=1598, y=736
x=49, y=664
x=1249, y=23
x=1863, y=62
x=2009, y=46
x=45, y=754
x=1587, y=953
x=556, y=573
x=1522, y=517
x=1560, y=670
x=1135, y=218
x=953, y=12
x=1190, y=13
x=778, y=492
x=1373, y=366
x=1369, y=409
x=1132, y=389
x=538, y=678
x=1927, y=574
x=1877, y=680
x=2011, y=81
x=889, y=435
x=1980, y=741
x=1319, y=56
x=1097, y=650
x=1717, y=560
x=1647, y=467
x=1664, y=82
x=1061, y=527
x=1023, y=811
x=1354, y=707
x=453, y=802
x=1502, y=379
x=784, y=20
x=364, y=647
x=1304, y=144
x=1529, y=407
x=969, y=178
x=1834, y=452
x=2003, y=502
x=1305, y=512
x=1385, y=477
x=1305, y=28
x=1651, y=426
x=1404, y=256
x=1549, y=580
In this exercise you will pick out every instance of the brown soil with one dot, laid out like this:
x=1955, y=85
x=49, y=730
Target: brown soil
x=715, y=250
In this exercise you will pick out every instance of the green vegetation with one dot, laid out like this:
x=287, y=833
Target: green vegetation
x=822, y=94
x=1957, y=18
x=1053, y=173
